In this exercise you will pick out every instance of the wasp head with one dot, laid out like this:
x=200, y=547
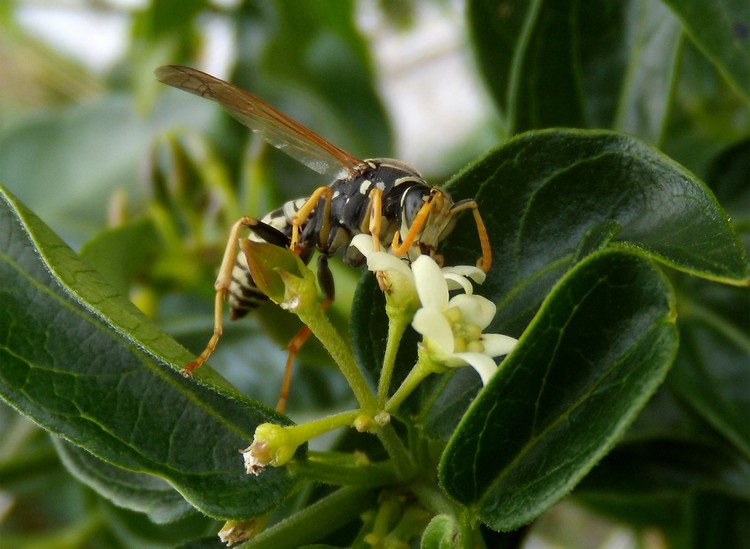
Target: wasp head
x=427, y=219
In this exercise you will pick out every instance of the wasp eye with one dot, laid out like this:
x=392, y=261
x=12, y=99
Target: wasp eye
x=412, y=202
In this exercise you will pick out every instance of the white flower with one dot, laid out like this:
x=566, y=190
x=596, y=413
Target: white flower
x=452, y=328
x=400, y=276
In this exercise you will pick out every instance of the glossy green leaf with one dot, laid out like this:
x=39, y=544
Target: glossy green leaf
x=664, y=468
x=712, y=374
x=83, y=363
x=551, y=197
x=721, y=29
x=548, y=199
x=578, y=63
x=136, y=491
x=598, y=348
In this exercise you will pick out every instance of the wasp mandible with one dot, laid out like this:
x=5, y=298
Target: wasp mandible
x=383, y=197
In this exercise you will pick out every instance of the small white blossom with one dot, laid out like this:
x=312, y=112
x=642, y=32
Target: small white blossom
x=452, y=328
x=254, y=465
x=399, y=274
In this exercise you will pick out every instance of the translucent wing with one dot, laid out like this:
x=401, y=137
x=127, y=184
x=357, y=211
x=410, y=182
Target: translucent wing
x=278, y=129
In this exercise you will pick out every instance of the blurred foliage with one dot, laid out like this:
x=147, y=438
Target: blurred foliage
x=144, y=182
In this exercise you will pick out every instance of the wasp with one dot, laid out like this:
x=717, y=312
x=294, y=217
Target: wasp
x=386, y=198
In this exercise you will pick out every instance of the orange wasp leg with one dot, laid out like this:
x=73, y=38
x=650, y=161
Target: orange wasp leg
x=221, y=285
x=416, y=226
x=485, y=262
x=376, y=218
x=296, y=343
x=304, y=212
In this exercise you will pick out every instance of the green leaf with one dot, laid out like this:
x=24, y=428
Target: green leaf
x=721, y=29
x=663, y=467
x=551, y=197
x=135, y=491
x=711, y=372
x=83, y=363
x=548, y=199
x=578, y=63
x=602, y=342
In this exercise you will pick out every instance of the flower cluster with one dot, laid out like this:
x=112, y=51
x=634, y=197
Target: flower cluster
x=451, y=327
x=452, y=337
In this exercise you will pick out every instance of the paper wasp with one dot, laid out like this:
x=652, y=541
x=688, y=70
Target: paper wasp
x=383, y=197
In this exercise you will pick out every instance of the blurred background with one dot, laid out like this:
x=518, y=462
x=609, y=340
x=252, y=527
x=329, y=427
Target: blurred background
x=144, y=181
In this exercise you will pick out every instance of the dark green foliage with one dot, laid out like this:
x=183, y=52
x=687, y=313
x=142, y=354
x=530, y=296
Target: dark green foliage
x=621, y=272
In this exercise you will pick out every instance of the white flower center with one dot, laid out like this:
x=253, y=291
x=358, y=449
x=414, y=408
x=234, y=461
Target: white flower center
x=466, y=335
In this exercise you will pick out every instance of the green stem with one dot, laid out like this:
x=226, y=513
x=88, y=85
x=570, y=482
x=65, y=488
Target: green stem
x=432, y=498
x=468, y=532
x=421, y=370
x=344, y=470
x=397, y=325
x=311, y=429
x=317, y=520
x=402, y=460
x=321, y=327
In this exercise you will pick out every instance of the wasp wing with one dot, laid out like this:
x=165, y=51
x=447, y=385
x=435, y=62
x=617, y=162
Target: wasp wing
x=275, y=127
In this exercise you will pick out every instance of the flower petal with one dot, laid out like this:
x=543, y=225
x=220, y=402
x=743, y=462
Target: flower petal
x=456, y=282
x=483, y=364
x=433, y=325
x=431, y=286
x=467, y=271
x=364, y=243
x=383, y=261
x=498, y=344
x=380, y=260
x=475, y=308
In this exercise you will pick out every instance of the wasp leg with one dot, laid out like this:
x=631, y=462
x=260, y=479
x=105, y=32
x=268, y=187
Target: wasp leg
x=416, y=226
x=304, y=213
x=485, y=262
x=325, y=281
x=376, y=217
x=224, y=279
